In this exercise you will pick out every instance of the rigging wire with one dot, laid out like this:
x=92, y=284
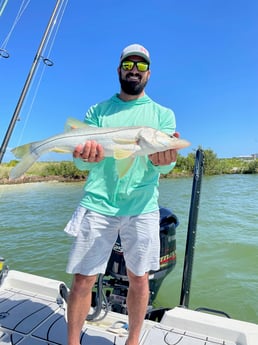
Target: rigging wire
x=59, y=17
x=47, y=63
x=3, y=52
x=59, y=4
x=2, y=6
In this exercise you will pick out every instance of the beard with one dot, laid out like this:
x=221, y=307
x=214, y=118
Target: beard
x=132, y=87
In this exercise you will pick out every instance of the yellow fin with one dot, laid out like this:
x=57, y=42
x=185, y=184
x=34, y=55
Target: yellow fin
x=123, y=165
x=72, y=123
x=23, y=165
x=124, y=141
x=20, y=151
x=122, y=154
x=60, y=150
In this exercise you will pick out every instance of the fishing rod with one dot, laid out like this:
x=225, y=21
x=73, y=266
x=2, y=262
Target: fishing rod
x=28, y=81
x=192, y=227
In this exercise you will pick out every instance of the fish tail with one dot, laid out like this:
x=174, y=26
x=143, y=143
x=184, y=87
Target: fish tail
x=22, y=150
x=27, y=160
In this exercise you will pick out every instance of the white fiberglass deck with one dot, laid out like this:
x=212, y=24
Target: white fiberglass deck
x=32, y=312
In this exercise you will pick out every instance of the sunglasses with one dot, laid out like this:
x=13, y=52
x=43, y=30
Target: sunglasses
x=129, y=65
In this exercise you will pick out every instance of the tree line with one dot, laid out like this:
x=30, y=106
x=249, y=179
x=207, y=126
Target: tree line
x=184, y=167
x=217, y=166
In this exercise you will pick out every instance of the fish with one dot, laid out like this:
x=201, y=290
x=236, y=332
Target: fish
x=121, y=143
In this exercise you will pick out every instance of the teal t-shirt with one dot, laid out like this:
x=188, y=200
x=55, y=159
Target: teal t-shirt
x=137, y=191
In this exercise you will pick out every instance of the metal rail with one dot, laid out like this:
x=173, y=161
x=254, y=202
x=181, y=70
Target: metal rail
x=192, y=227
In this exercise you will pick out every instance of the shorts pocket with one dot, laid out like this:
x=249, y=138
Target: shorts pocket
x=73, y=226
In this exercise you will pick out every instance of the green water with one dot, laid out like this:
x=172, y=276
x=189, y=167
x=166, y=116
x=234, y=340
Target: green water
x=225, y=270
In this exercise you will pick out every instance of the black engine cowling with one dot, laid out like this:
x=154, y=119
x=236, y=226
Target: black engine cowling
x=116, y=267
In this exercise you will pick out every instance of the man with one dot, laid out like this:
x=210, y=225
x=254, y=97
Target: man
x=112, y=205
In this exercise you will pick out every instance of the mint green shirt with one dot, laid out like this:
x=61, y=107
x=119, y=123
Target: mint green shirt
x=137, y=191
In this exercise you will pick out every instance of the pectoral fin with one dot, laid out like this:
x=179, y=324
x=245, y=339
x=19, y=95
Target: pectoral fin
x=123, y=141
x=60, y=150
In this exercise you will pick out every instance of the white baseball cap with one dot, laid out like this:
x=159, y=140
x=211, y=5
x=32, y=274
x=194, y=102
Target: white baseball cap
x=135, y=49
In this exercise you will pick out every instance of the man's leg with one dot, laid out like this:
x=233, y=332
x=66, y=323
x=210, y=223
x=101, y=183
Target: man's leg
x=137, y=302
x=79, y=303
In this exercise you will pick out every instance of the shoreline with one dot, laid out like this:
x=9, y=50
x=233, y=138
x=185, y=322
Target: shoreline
x=56, y=178
x=32, y=179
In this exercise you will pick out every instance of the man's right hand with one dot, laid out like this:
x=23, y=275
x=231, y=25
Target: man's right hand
x=90, y=151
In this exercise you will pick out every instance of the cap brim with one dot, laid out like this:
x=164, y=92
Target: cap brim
x=145, y=57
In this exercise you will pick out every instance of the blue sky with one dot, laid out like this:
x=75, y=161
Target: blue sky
x=204, y=66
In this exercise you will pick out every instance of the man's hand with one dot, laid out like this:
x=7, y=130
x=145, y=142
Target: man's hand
x=91, y=152
x=165, y=157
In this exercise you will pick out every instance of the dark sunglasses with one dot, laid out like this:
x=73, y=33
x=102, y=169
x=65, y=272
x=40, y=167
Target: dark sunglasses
x=129, y=65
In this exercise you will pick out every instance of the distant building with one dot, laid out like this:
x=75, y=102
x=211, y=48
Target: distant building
x=248, y=157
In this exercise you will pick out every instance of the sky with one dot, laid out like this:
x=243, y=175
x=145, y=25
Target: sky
x=204, y=66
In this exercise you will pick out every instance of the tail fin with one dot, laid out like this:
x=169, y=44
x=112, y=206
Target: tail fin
x=27, y=160
x=20, y=151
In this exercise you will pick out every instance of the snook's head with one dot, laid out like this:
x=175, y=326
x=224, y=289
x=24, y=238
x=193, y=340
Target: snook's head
x=152, y=140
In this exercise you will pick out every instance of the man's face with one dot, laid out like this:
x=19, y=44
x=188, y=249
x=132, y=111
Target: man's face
x=133, y=81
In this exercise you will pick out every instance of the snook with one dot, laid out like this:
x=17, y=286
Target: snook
x=121, y=143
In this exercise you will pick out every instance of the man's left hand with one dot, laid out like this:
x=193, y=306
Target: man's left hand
x=165, y=157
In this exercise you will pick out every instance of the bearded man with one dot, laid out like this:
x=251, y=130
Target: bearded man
x=111, y=205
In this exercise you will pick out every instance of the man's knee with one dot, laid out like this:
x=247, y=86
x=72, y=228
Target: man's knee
x=83, y=283
x=138, y=282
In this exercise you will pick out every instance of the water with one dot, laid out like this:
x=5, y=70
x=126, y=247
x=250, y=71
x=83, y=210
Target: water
x=225, y=270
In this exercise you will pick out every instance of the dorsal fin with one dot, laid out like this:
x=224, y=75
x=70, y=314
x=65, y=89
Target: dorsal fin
x=72, y=123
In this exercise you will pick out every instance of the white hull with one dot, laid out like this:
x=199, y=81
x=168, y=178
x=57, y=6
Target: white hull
x=32, y=312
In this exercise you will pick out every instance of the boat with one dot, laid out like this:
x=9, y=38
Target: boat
x=33, y=309
x=33, y=312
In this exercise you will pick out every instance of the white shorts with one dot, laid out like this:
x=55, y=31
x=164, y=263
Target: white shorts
x=96, y=235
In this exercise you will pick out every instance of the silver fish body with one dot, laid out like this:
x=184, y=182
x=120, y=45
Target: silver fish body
x=118, y=142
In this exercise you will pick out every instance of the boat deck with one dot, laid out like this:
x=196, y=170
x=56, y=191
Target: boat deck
x=32, y=312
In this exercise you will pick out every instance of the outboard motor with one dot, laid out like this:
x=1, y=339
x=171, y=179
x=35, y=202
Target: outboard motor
x=116, y=283
x=168, y=224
